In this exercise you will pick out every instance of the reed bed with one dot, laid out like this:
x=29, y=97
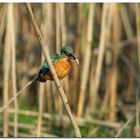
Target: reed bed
x=103, y=94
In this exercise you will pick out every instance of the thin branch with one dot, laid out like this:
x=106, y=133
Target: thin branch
x=17, y=94
x=54, y=75
x=124, y=126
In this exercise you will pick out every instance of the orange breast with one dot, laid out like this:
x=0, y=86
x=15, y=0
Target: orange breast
x=62, y=67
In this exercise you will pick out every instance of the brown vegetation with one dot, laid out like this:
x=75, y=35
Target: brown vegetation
x=103, y=92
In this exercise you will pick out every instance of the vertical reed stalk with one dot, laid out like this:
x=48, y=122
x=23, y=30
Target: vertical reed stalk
x=65, y=81
x=41, y=86
x=138, y=31
x=126, y=23
x=137, y=93
x=64, y=38
x=91, y=87
x=2, y=21
x=63, y=24
x=137, y=128
x=48, y=22
x=129, y=34
x=76, y=72
x=49, y=101
x=41, y=95
x=113, y=94
x=13, y=50
x=47, y=33
x=58, y=103
x=6, y=71
x=87, y=59
x=100, y=55
x=108, y=60
x=114, y=73
x=57, y=20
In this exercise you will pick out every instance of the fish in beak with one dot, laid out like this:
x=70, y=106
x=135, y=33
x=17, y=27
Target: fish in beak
x=74, y=58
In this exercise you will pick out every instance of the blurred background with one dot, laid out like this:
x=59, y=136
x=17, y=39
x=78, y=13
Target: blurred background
x=103, y=93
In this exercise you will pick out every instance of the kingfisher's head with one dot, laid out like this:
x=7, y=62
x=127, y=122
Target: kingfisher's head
x=68, y=50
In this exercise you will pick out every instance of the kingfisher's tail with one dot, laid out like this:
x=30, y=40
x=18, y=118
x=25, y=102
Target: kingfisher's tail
x=39, y=78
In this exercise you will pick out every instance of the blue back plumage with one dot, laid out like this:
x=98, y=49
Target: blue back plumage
x=44, y=68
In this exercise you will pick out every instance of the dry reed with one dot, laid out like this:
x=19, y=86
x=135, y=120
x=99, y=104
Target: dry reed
x=60, y=89
x=13, y=51
x=100, y=56
x=6, y=72
x=87, y=59
x=108, y=74
x=137, y=93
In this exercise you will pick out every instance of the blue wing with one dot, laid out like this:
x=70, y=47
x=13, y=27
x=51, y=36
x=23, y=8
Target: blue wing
x=45, y=67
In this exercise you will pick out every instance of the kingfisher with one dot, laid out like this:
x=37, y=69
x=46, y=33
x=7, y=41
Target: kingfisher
x=61, y=63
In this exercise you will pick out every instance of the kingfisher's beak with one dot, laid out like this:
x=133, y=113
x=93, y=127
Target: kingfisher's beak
x=77, y=62
x=75, y=59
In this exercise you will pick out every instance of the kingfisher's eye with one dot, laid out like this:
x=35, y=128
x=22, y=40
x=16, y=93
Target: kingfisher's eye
x=62, y=51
